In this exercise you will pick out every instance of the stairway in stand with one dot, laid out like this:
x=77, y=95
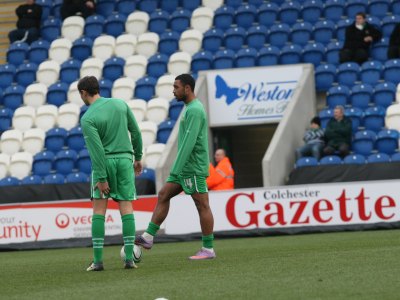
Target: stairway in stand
x=8, y=21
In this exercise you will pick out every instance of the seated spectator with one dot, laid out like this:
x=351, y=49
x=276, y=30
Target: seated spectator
x=338, y=133
x=83, y=8
x=359, y=37
x=314, y=140
x=394, y=43
x=221, y=177
x=28, y=24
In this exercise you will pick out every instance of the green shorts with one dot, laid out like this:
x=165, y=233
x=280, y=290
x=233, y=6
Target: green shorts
x=120, y=178
x=190, y=183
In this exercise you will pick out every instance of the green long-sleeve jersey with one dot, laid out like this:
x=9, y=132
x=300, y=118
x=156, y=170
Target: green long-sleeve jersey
x=192, y=157
x=106, y=126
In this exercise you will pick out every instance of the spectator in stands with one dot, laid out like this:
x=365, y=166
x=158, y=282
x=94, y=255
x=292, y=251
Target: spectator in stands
x=338, y=133
x=314, y=140
x=394, y=43
x=83, y=8
x=359, y=37
x=28, y=24
x=221, y=177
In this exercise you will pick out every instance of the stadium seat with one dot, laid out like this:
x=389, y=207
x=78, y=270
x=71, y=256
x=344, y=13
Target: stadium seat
x=104, y=7
x=235, y=38
x=103, y=47
x=355, y=114
x=379, y=50
x=11, y=141
x=306, y=162
x=301, y=33
x=333, y=10
x=9, y=181
x=64, y=161
x=46, y=117
x=170, y=6
x=175, y=108
x=74, y=95
x=35, y=95
x=202, y=19
x=92, y=67
x=56, y=9
x=332, y=52
x=23, y=118
x=179, y=63
x=68, y=115
x=224, y=17
x=246, y=58
x=361, y=95
x=313, y=53
x=324, y=31
x=76, y=178
x=325, y=76
x=289, y=12
x=123, y=88
x=355, y=6
x=164, y=87
x=83, y=162
x=147, y=44
x=164, y=130
x=191, y=41
x=94, y=26
x=51, y=29
x=137, y=23
x=180, y=20
x=54, y=179
x=201, y=61
x=354, y=159
x=268, y=56
x=4, y=164
x=33, y=140
x=31, y=180
x=157, y=65
x=245, y=16
x=43, y=163
x=145, y=88
x=149, y=132
x=395, y=7
x=341, y=29
x=113, y=68
x=20, y=165
x=290, y=54
x=256, y=37
x=268, y=14
x=169, y=43
x=378, y=158
x=6, y=115
x=138, y=108
x=388, y=24
x=215, y=4
x=46, y=7
x=157, y=110
x=48, y=72
x=212, y=40
x=147, y=177
x=17, y=53
x=374, y=118
x=55, y=139
x=224, y=59
x=13, y=97
x=153, y=155
x=330, y=160
x=364, y=142
x=159, y=21
x=147, y=5
x=348, y=73
x=135, y=66
x=82, y=48
x=26, y=74
x=191, y=5
x=72, y=28
x=115, y=24
x=60, y=50
x=391, y=71
x=7, y=72
x=83, y=110
x=105, y=88
x=279, y=35
x=75, y=140
x=70, y=70
x=311, y=11
x=395, y=157
x=256, y=3
x=371, y=72
x=38, y=51
x=384, y=94
x=387, y=141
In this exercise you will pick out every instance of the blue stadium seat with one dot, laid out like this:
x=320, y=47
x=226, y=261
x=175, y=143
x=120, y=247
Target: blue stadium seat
x=54, y=179
x=363, y=142
x=361, y=95
x=164, y=130
x=332, y=52
x=84, y=108
x=57, y=94
x=355, y=6
x=55, y=9
x=170, y=6
x=76, y=177
x=341, y=28
x=75, y=140
x=64, y=162
x=301, y=33
x=105, y=7
x=395, y=157
x=290, y=54
x=268, y=14
x=115, y=24
x=191, y=5
x=395, y=7
x=169, y=43
x=279, y=35
x=126, y=6
x=158, y=22
x=26, y=74
x=9, y=181
x=175, y=108
x=38, y=51
x=34, y=179
x=245, y=16
x=348, y=73
x=313, y=53
x=312, y=10
x=325, y=115
x=387, y=141
x=378, y=8
x=113, y=68
x=384, y=94
x=46, y=8
x=268, y=56
x=234, y=38
x=147, y=174
x=256, y=37
x=378, y=158
x=17, y=53
x=371, y=72
x=334, y=10
x=6, y=115
x=94, y=26
x=374, y=118
x=325, y=76
x=289, y=12
x=201, y=61
x=157, y=65
x=82, y=48
x=356, y=115
x=84, y=163
x=180, y=20
x=51, y=29
x=256, y=3
x=7, y=73
x=246, y=58
x=145, y=88
x=338, y=95
x=391, y=71
x=148, y=5
x=55, y=139
x=213, y=40
x=105, y=87
x=224, y=59
x=13, y=97
x=306, y=162
x=43, y=163
x=354, y=159
x=379, y=50
x=330, y=160
x=374, y=21
x=70, y=70
x=224, y=17
x=324, y=31
x=388, y=24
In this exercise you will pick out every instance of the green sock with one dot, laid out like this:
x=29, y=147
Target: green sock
x=98, y=237
x=152, y=229
x=208, y=241
x=128, y=232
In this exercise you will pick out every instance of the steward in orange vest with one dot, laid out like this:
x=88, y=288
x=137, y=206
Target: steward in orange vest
x=221, y=177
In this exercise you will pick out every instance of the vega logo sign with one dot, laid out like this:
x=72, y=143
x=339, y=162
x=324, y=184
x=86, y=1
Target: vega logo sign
x=250, y=96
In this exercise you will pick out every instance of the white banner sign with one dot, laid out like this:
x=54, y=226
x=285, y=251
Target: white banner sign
x=250, y=96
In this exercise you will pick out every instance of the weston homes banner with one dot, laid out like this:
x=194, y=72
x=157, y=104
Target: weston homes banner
x=250, y=96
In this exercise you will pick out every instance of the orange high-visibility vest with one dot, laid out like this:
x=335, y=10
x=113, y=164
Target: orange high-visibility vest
x=221, y=177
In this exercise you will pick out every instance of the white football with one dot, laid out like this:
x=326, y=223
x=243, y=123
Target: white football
x=137, y=253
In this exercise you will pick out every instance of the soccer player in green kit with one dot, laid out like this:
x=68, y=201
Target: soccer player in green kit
x=189, y=171
x=106, y=127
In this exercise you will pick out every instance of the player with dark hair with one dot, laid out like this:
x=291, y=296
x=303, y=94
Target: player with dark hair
x=106, y=126
x=189, y=171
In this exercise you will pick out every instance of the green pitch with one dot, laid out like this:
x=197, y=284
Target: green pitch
x=348, y=265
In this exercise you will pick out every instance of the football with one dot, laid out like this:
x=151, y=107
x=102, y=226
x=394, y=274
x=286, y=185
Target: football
x=137, y=253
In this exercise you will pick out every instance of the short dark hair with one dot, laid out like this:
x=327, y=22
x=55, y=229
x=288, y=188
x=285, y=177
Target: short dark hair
x=89, y=84
x=316, y=120
x=362, y=14
x=186, y=79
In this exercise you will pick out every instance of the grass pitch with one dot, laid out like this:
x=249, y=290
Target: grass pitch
x=347, y=265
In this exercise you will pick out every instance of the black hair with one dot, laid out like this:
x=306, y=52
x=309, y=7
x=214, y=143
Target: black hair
x=316, y=120
x=362, y=14
x=187, y=79
x=89, y=84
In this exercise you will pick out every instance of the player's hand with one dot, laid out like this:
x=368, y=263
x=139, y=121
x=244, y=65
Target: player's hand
x=89, y=4
x=103, y=188
x=138, y=167
x=368, y=39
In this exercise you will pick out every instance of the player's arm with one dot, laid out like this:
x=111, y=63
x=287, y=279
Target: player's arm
x=136, y=136
x=96, y=150
x=194, y=121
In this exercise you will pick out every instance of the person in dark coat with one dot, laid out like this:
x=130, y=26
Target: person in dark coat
x=359, y=38
x=83, y=8
x=394, y=43
x=28, y=24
